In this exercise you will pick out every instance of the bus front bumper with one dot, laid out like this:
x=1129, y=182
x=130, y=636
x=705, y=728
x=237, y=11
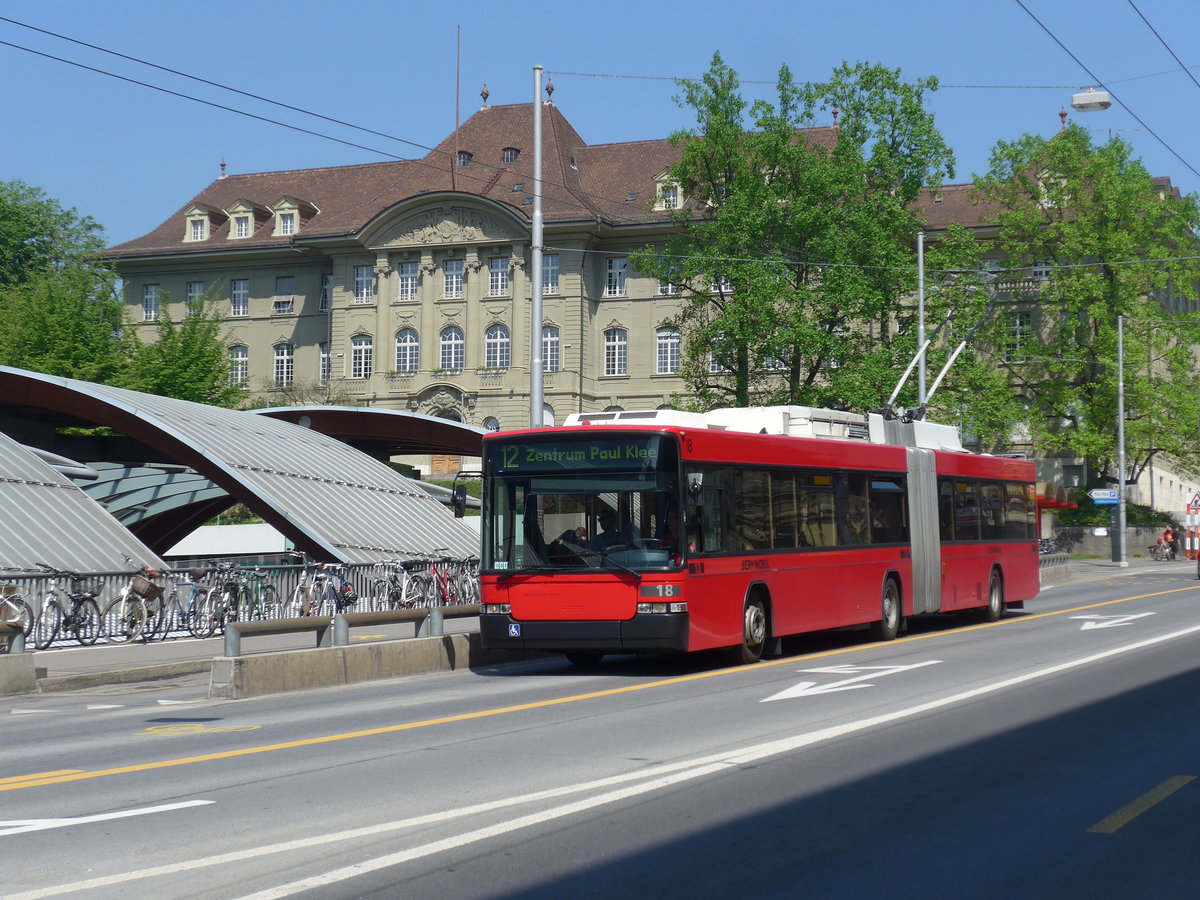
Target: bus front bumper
x=645, y=632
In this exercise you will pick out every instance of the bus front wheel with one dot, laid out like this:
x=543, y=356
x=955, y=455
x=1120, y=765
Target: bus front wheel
x=890, y=613
x=754, y=631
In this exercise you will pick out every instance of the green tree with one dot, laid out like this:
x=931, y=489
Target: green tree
x=59, y=309
x=66, y=323
x=186, y=360
x=39, y=237
x=1117, y=244
x=793, y=248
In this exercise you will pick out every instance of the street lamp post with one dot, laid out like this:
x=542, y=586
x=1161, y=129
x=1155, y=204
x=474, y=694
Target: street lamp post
x=1119, y=545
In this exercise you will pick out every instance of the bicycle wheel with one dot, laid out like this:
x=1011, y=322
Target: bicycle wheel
x=271, y=607
x=17, y=611
x=297, y=604
x=86, y=622
x=172, y=615
x=125, y=619
x=155, y=613
x=49, y=620
x=467, y=588
x=203, y=619
x=327, y=602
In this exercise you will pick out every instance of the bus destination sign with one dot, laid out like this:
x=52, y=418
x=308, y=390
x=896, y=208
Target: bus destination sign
x=593, y=453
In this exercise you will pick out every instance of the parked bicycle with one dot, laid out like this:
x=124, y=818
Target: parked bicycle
x=136, y=613
x=401, y=584
x=452, y=581
x=184, y=604
x=336, y=594
x=14, y=609
x=77, y=615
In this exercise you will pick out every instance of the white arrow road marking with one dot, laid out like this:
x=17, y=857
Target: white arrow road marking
x=1108, y=621
x=20, y=826
x=808, y=688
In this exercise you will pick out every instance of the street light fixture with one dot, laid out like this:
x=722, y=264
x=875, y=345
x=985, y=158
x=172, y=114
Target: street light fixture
x=1091, y=100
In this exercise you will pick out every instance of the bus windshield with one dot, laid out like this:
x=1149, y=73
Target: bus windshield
x=582, y=501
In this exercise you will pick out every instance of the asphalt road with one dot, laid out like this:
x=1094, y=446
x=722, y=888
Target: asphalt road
x=1050, y=755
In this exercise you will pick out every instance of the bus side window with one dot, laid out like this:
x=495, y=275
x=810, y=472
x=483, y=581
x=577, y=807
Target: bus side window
x=889, y=521
x=966, y=511
x=713, y=517
x=991, y=511
x=946, y=510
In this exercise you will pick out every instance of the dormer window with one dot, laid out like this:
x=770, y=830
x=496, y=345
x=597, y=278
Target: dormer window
x=509, y=155
x=245, y=219
x=201, y=221
x=291, y=215
x=668, y=196
x=464, y=159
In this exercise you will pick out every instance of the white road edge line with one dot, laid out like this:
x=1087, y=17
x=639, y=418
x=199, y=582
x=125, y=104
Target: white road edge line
x=652, y=779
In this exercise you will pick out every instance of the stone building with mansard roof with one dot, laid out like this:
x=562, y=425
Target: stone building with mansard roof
x=406, y=284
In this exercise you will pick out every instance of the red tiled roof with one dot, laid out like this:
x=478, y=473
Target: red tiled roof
x=580, y=182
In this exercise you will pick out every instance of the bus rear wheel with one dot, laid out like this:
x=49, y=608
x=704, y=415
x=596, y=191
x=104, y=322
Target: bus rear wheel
x=890, y=613
x=994, y=611
x=754, y=631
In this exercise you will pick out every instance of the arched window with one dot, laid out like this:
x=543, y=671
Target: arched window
x=547, y=414
x=491, y=423
x=362, y=350
x=452, y=346
x=497, y=348
x=239, y=365
x=408, y=350
x=616, y=352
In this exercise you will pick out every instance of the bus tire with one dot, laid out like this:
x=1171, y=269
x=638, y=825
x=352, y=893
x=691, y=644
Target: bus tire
x=890, y=612
x=754, y=630
x=994, y=611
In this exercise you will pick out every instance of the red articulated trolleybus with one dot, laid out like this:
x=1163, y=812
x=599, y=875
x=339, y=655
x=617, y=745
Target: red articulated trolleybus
x=631, y=532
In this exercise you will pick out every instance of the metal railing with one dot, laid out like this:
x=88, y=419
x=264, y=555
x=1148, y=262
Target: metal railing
x=370, y=592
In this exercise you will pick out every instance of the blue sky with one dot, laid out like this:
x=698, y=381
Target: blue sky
x=130, y=157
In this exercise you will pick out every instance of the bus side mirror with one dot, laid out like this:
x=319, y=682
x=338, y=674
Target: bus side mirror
x=695, y=482
x=460, y=500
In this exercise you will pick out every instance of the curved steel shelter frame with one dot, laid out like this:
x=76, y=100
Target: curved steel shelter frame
x=333, y=501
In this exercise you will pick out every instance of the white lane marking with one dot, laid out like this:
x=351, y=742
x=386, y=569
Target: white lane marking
x=105, y=706
x=21, y=826
x=29, y=712
x=655, y=778
x=1109, y=621
x=808, y=688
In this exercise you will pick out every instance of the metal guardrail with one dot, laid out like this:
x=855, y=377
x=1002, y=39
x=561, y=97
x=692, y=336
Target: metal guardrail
x=1053, y=560
x=335, y=631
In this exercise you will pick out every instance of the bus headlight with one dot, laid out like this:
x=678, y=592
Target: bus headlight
x=676, y=607
x=497, y=608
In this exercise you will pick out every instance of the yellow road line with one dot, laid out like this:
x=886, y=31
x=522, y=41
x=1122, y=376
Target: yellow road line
x=1127, y=814
x=81, y=775
x=56, y=772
